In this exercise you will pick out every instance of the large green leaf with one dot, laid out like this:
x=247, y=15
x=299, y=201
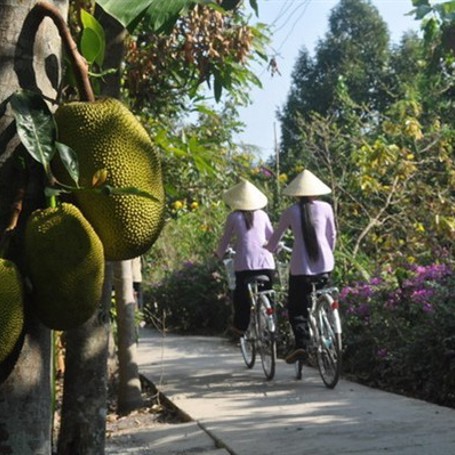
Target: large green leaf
x=162, y=17
x=159, y=14
x=93, y=41
x=35, y=126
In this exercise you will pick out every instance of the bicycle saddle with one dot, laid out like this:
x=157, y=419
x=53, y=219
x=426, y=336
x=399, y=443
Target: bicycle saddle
x=259, y=278
x=320, y=279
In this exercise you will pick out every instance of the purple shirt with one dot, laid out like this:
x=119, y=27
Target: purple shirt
x=249, y=244
x=324, y=224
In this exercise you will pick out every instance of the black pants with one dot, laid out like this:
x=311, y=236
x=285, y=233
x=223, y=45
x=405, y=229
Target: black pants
x=299, y=302
x=241, y=298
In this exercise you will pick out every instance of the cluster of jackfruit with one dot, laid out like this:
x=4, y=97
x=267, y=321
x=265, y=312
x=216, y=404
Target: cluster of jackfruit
x=107, y=136
x=65, y=262
x=66, y=246
x=11, y=307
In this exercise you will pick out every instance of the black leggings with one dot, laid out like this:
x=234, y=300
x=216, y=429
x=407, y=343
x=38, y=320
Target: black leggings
x=299, y=302
x=241, y=297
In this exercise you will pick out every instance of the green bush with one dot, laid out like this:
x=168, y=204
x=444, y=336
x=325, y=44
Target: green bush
x=192, y=300
x=399, y=332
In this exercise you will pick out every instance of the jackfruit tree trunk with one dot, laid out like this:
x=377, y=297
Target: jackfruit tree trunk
x=84, y=405
x=129, y=389
x=32, y=63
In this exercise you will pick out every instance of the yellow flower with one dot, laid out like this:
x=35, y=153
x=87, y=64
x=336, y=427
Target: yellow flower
x=413, y=128
x=178, y=205
x=283, y=178
x=194, y=205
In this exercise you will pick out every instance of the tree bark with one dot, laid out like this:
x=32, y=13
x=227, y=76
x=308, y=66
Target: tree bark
x=129, y=389
x=84, y=406
x=29, y=58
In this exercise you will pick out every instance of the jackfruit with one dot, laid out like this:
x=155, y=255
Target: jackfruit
x=11, y=307
x=107, y=136
x=65, y=263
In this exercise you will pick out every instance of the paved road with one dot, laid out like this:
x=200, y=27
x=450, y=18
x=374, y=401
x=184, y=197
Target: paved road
x=247, y=415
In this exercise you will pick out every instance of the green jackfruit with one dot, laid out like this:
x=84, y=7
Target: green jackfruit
x=11, y=307
x=106, y=135
x=65, y=262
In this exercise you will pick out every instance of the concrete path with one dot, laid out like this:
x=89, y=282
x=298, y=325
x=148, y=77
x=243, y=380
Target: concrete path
x=244, y=414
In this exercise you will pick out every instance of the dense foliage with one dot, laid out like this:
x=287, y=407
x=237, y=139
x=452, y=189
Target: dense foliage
x=400, y=331
x=376, y=123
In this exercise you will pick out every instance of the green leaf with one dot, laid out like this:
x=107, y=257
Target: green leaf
x=217, y=86
x=254, y=5
x=69, y=159
x=422, y=11
x=205, y=110
x=159, y=15
x=90, y=46
x=125, y=12
x=162, y=16
x=51, y=192
x=420, y=3
x=129, y=191
x=93, y=41
x=445, y=10
x=35, y=126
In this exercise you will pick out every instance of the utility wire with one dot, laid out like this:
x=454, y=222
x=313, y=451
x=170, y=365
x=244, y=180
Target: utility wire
x=286, y=13
x=284, y=9
x=305, y=6
x=291, y=14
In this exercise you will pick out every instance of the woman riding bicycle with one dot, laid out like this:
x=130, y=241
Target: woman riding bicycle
x=313, y=226
x=250, y=227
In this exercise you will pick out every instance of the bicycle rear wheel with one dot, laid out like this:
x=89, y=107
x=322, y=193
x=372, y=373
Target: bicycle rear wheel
x=266, y=327
x=248, y=345
x=329, y=341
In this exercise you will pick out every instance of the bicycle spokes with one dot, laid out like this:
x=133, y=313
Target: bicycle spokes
x=329, y=345
x=266, y=335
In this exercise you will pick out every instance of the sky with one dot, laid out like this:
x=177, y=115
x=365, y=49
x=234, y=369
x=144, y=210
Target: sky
x=298, y=23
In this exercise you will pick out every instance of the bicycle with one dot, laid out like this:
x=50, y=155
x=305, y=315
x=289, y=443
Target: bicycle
x=325, y=331
x=260, y=336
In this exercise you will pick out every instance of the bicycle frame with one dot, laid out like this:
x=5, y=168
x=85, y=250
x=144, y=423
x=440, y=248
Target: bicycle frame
x=329, y=294
x=254, y=292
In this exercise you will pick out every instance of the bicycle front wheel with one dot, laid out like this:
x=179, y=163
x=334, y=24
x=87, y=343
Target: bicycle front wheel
x=328, y=341
x=248, y=346
x=266, y=327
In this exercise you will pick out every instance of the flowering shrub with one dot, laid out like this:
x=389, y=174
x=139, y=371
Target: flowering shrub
x=399, y=332
x=192, y=299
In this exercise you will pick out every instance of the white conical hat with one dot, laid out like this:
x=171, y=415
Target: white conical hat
x=245, y=196
x=306, y=184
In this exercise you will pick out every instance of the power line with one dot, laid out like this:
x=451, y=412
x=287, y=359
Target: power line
x=284, y=9
x=305, y=6
x=292, y=13
x=286, y=13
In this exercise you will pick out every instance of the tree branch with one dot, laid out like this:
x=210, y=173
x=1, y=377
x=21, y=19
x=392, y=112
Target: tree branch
x=16, y=209
x=78, y=62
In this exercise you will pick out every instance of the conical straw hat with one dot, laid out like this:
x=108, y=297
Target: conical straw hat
x=245, y=196
x=306, y=184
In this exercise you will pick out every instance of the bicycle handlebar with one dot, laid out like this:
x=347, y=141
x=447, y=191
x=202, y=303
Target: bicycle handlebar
x=229, y=253
x=282, y=247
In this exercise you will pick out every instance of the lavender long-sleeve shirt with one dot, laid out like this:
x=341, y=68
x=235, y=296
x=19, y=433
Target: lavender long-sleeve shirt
x=323, y=219
x=248, y=244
